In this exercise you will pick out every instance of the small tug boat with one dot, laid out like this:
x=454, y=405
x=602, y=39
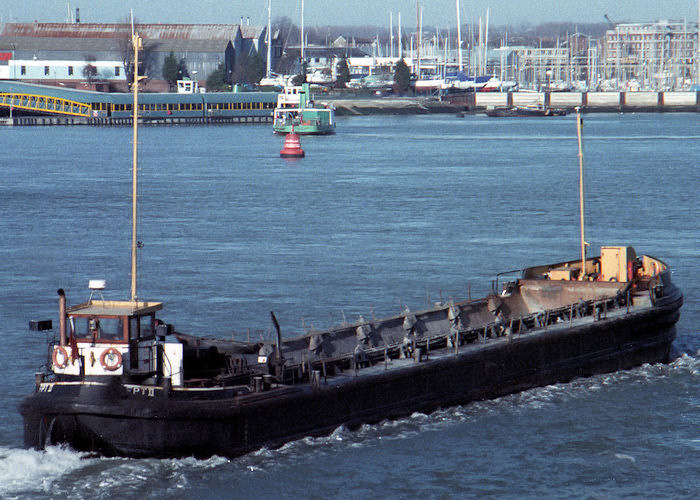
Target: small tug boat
x=296, y=108
x=120, y=381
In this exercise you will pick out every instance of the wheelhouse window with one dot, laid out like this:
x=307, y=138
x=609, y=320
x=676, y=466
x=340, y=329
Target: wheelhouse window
x=141, y=327
x=98, y=328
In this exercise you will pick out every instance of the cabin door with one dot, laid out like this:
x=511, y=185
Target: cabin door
x=134, y=343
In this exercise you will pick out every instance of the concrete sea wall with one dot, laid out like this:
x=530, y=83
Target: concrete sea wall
x=590, y=102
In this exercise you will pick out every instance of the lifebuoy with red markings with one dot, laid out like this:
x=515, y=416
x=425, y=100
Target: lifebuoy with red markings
x=60, y=357
x=111, y=359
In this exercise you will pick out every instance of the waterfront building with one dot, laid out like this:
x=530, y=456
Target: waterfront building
x=322, y=62
x=542, y=67
x=71, y=54
x=655, y=56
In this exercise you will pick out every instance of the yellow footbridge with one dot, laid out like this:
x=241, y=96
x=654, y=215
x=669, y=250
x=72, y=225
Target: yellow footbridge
x=43, y=104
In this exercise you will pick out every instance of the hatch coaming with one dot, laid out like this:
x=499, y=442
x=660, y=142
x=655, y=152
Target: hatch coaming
x=541, y=295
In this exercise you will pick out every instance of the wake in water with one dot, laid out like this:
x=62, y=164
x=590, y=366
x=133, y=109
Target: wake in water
x=535, y=403
x=24, y=472
x=59, y=471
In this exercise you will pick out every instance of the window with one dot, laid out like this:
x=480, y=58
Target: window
x=133, y=328
x=111, y=328
x=70, y=70
x=116, y=71
x=147, y=327
x=46, y=70
x=23, y=70
x=100, y=328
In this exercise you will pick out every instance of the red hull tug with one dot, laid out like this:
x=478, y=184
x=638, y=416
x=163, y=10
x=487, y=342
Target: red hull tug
x=121, y=382
x=292, y=146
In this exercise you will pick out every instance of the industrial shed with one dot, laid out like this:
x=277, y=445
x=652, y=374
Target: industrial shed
x=57, y=53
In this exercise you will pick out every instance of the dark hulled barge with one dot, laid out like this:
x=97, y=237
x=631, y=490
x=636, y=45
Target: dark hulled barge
x=123, y=383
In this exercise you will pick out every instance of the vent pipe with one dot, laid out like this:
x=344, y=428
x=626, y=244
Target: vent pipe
x=62, y=316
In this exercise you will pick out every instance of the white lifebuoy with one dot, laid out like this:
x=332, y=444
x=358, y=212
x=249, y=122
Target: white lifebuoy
x=111, y=359
x=60, y=357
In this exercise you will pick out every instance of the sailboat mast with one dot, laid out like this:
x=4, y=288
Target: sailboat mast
x=459, y=38
x=302, y=32
x=486, y=42
x=419, y=37
x=136, y=42
x=579, y=124
x=269, y=38
x=391, y=34
x=401, y=40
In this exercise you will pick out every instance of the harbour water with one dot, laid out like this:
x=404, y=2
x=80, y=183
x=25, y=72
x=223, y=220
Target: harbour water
x=390, y=211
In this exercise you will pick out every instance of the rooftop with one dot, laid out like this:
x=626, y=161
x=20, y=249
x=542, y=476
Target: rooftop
x=114, y=308
x=119, y=30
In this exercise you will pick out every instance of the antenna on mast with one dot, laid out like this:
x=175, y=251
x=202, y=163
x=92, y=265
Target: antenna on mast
x=136, y=42
x=269, y=39
x=579, y=125
x=459, y=38
x=302, y=33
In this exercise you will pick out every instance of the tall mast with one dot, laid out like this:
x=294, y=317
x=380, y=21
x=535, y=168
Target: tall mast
x=459, y=38
x=486, y=41
x=579, y=124
x=480, y=52
x=419, y=38
x=136, y=42
x=302, y=32
x=391, y=34
x=269, y=38
x=401, y=40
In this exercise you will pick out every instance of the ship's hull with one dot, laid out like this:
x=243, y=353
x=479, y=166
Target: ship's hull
x=306, y=121
x=305, y=129
x=118, y=419
x=525, y=112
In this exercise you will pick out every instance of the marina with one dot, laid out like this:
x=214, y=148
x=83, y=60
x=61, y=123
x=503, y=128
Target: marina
x=375, y=283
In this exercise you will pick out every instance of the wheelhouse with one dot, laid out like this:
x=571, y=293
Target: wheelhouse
x=106, y=337
x=99, y=321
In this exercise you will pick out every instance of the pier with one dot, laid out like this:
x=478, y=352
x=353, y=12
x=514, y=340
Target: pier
x=30, y=104
x=476, y=102
x=18, y=121
x=588, y=101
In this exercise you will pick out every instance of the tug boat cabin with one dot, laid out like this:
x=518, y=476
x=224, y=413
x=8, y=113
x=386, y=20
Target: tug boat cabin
x=118, y=338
